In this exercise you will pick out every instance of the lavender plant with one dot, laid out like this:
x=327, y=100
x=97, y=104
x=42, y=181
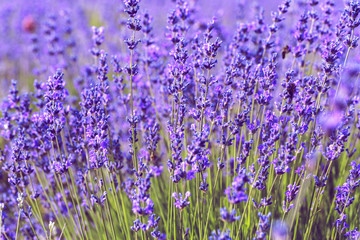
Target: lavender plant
x=238, y=123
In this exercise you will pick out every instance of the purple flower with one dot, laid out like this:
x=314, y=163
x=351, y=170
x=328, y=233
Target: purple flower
x=152, y=222
x=320, y=182
x=290, y=196
x=264, y=226
x=263, y=203
x=138, y=225
x=353, y=234
x=181, y=202
x=220, y=235
x=236, y=192
x=158, y=235
x=228, y=217
x=280, y=231
x=131, y=7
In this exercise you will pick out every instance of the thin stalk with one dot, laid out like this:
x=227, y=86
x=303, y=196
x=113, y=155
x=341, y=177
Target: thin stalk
x=18, y=224
x=344, y=65
x=132, y=105
x=204, y=101
x=211, y=202
x=247, y=204
x=342, y=212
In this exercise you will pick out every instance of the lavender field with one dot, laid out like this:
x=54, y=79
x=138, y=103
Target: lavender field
x=183, y=119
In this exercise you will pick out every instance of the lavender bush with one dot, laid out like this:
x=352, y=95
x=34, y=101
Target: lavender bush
x=124, y=124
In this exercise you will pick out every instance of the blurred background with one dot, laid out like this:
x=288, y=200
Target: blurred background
x=28, y=29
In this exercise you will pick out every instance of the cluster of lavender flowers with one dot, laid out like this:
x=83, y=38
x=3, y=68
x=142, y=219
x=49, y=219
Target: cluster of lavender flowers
x=189, y=127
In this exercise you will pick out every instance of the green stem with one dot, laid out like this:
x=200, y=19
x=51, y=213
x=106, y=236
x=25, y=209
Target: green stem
x=247, y=204
x=18, y=224
x=345, y=61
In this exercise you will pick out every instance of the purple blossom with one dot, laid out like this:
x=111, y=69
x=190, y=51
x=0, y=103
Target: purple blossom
x=264, y=226
x=138, y=225
x=228, y=217
x=220, y=235
x=180, y=201
x=236, y=192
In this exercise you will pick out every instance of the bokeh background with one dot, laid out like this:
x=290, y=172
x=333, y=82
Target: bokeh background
x=24, y=23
